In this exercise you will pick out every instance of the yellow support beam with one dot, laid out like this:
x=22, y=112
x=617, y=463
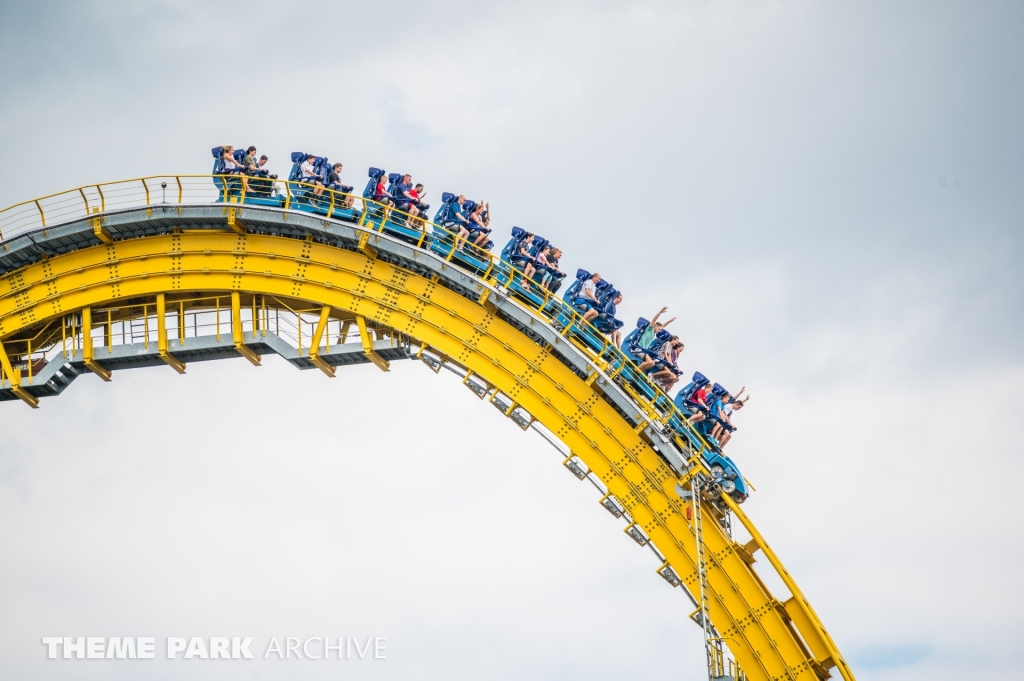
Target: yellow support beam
x=233, y=222
x=161, y=338
x=364, y=246
x=87, y=348
x=766, y=641
x=15, y=378
x=368, y=350
x=236, y=330
x=314, y=344
x=797, y=607
x=99, y=230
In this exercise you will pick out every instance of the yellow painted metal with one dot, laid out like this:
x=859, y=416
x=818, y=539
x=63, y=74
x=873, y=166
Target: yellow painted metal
x=768, y=642
x=368, y=350
x=15, y=378
x=237, y=334
x=314, y=344
x=99, y=230
x=364, y=246
x=234, y=222
x=88, y=349
x=161, y=340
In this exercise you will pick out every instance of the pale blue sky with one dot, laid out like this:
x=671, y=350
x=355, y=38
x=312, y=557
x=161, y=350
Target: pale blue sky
x=828, y=195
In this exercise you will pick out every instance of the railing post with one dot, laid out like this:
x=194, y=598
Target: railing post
x=42, y=216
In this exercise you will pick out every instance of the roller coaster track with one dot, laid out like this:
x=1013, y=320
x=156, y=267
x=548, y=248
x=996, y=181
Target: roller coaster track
x=133, y=274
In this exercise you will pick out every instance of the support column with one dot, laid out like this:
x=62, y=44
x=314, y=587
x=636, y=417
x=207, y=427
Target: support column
x=87, y=348
x=15, y=378
x=236, y=330
x=368, y=350
x=161, y=335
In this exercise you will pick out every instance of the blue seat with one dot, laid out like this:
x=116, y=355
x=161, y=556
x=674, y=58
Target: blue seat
x=572, y=294
x=218, y=168
x=224, y=179
x=683, y=399
x=512, y=247
x=605, y=320
x=298, y=158
x=443, y=214
x=394, y=188
x=630, y=344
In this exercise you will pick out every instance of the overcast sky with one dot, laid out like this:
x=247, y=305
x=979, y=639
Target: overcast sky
x=827, y=195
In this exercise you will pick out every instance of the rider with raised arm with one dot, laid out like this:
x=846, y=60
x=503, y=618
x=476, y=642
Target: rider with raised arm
x=734, y=406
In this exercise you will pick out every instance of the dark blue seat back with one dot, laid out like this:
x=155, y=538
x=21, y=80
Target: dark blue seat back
x=443, y=213
x=238, y=155
x=218, y=161
x=371, y=187
x=538, y=245
x=631, y=341
x=660, y=339
x=322, y=168
x=603, y=290
x=512, y=247
x=574, y=288
x=298, y=158
x=396, y=188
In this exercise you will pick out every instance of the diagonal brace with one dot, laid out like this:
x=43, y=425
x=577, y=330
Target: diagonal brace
x=15, y=377
x=314, y=345
x=368, y=350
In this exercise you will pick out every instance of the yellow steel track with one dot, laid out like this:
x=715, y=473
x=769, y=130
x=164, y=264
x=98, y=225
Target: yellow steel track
x=770, y=639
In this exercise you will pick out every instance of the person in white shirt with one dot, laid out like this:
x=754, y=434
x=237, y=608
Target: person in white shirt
x=309, y=175
x=588, y=296
x=725, y=433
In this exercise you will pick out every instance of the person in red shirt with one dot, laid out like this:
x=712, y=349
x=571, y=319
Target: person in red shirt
x=380, y=194
x=700, y=398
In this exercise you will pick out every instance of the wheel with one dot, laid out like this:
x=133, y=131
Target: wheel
x=718, y=472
